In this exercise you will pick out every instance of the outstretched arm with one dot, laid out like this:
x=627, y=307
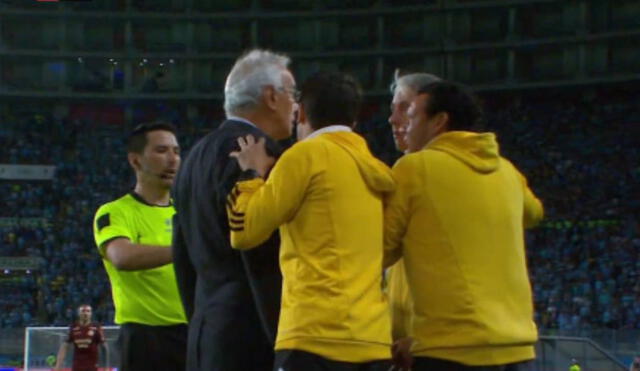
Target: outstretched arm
x=397, y=210
x=256, y=208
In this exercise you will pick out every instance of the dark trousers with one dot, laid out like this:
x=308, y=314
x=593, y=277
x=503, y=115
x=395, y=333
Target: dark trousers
x=298, y=360
x=228, y=339
x=434, y=364
x=152, y=348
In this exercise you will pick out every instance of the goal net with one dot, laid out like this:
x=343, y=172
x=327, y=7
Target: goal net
x=41, y=345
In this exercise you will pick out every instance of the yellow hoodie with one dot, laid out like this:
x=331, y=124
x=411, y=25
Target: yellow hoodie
x=326, y=195
x=457, y=218
x=400, y=302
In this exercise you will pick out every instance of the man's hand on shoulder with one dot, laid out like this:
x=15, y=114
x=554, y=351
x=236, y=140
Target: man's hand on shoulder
x=253, y=155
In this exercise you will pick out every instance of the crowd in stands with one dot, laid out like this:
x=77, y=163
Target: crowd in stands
x=582, y=160
x=580, y=156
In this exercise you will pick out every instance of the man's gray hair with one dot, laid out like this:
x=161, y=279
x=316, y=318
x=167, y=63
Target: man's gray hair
x=413, y=81
x=250, y=74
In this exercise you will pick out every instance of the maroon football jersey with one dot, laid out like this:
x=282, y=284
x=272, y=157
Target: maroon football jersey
x=86, y=340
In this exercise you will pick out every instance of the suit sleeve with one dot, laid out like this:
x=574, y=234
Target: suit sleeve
x=397, y=211
x=185, y=272
x=533, y=210
x=261, y=265
x=256, y=208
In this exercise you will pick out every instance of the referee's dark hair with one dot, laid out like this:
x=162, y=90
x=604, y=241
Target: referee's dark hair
x=331, y=98
x=138, y=137
x=462, y=105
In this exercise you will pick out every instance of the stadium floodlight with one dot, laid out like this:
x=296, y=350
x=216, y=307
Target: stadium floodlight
x=41, y=345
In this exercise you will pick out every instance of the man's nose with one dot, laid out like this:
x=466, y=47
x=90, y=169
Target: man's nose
x=173, y=157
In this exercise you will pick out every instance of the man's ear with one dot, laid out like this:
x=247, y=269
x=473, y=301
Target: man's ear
x=134, y=160
x=302, y=114
x=270, y=97
x=304, y=126
x=441, y=122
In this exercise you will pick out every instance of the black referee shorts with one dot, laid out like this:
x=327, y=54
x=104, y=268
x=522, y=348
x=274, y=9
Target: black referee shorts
x=298, y=360
x=152, y=348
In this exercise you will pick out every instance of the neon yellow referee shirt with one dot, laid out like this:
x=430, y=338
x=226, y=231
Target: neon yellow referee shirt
x=149, y=296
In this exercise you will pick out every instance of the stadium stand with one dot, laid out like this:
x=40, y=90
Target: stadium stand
x=580, y=157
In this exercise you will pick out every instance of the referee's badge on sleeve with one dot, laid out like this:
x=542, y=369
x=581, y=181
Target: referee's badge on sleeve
x=103, y=221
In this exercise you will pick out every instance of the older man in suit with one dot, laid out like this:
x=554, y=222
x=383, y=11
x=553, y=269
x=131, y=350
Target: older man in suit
x=231, y=298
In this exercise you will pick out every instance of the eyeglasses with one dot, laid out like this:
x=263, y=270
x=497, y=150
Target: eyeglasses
x=293, y=92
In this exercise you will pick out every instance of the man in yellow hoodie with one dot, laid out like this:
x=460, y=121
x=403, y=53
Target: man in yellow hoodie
x=458, y=217
x=326, y=195
x=404, y=89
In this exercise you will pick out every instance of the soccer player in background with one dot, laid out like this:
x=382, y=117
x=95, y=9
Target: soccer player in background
x=133, y=235
x=326, y=195
x=403, y=89
x=232, y=298
x=85, y=337
x=458, y=218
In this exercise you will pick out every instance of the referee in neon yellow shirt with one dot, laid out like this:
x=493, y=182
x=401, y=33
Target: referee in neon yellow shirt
x=133, y=235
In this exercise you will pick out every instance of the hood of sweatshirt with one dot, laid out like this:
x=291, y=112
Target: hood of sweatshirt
x=480, y=151
x=375, y=173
